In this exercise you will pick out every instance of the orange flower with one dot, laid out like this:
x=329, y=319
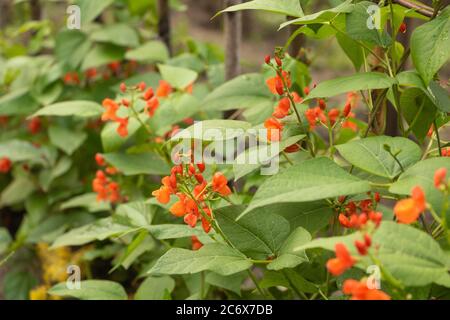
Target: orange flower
x=272, y=83
x=205, y=224
x=408, y=210
x=439, y=177
x=219, y=184
x=342, y=262
x=351, y=125
x=5, y=165
x=274, y=128
x=152, y=105
x=162, y=195
x=282, y=110
x=111, y=108
x=164, y=89
x=178, y=209
x=292, y=148
x=196, y=244
x=122, y=129
x=359, y=291
x=99, y=159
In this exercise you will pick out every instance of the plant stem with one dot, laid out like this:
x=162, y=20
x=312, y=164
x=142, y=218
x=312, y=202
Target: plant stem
x=436, y=131
x=252, y=276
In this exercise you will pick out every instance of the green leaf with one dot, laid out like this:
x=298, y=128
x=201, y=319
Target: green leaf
x=356, y=82
x=66, y=140
x=102, y=54
x=17, y=150
x=99, y=230
x=214, y=257
x=243, y=92
x=135, y=214
x=92, y=9
x=155, y=288
x=17, y=191
x=288, y=256
x=418, y=110
x=256, y=235
x=232, y=282
x=356, y=26
x=411, y=255
x=352, y=49
x=17, y=102
x=119, y=34
x=421, y=174
x=430, y=45
x=87, y=200
x=178, y=77
x=173, y=231
x=214, y=130
x=174, y=109
x=80, y=108
x=91, y=290
x=141, y=163
x=312, y=216
x=285, y=7
x=369, y=154
x=439, y=96
x=254, y=157
x=152, y=51
x=323, y=16
x=71, y=46
x=17, y=285
x=5, y=240
x=310, y=180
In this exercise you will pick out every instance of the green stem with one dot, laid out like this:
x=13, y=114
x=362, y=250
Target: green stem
x=252, y=276
x=436, y=131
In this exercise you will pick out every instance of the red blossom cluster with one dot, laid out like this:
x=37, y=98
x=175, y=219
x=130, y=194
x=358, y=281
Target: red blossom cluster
x=278, y=85
x=344, y=261
x=356, y=214
x=319, y=113
x=186, y=181
x=359, y=290
x=106, y=189
x=5, y=165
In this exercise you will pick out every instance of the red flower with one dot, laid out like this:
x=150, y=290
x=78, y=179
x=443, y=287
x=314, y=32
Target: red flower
x=273, y=83
x=219, y=184
x=274, y=128
x=34, y=125
x=359, y=291
x=408, y=210
x=342, y=262
x=5, y=165
x=282, y=110
x=162, y=194
x=402, y=28
x=152, y=106
x=100, y=160
x=148, y=94
x=114, y=66
x=111, y=108
x=122, y=129
x=333, y=115
x=164, y=89
x=439, y=177
x=123, y=87
x=91, y=73
x=196, y=244
x=292, y=148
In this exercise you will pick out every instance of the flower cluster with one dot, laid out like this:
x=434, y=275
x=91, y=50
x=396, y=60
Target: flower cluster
x=114, y=69
x=279, y=85
x=358, y=290
x=106, y=189
x=5, y=165
x=355, y=215
x=319, y=114
x=186, y=181
x=146, y=94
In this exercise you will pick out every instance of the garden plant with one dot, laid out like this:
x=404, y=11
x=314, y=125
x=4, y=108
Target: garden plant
x=133, y=165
